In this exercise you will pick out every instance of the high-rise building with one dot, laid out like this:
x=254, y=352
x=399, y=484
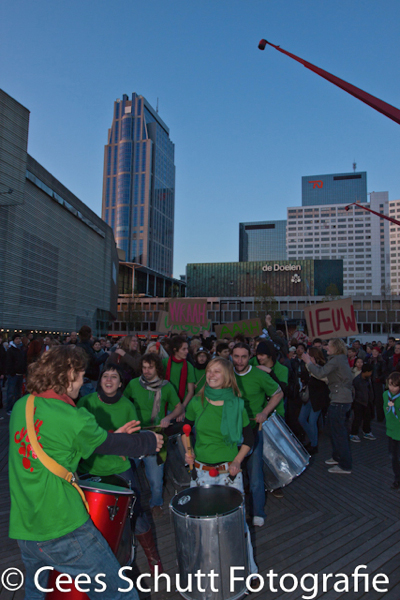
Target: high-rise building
x=139, y=184
x=394, y=211
x=358, y=237
x=339, y=188
x=263, y=240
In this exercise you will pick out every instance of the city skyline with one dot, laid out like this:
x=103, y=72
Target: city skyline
x=247, y=125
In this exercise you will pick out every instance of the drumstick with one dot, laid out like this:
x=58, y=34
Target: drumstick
x=186, y=430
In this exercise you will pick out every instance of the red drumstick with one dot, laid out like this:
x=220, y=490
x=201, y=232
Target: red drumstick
x=213, y=472
x=186, y=430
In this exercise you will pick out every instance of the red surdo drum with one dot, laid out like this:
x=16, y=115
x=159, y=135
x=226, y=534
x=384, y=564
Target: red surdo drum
x=111, y=503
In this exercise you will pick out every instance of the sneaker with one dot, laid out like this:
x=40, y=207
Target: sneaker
x=355, y=438
x=278, y=493
x=337, y=469
x=331, y=461
x=395, y=485
x=258, y=521
x=369, y=436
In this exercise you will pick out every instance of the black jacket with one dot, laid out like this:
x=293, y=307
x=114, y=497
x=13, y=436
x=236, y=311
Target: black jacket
x=318, y=394
x=363, y=393
x=15, y=361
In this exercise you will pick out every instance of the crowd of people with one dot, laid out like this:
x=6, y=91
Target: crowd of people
x=223, y=389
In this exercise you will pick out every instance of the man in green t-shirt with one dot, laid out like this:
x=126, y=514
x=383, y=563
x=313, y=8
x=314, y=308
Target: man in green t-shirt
x=256, y=386
x=48, y=517
x=152, y=397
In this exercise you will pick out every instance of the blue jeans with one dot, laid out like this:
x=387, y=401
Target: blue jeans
x=204, y=478
x=154, y=474
x=256, y=477
x=336, y=422
x=81, y=551
x=14, y=390
x=308, y=419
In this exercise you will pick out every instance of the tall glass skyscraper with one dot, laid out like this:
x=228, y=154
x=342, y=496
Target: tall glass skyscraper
x=139, y=184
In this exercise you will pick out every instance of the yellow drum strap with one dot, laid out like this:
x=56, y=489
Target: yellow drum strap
x=46, y=460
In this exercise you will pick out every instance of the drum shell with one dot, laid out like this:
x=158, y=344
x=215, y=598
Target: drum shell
x=210, y=542
x=284, y=456
x=111, y=529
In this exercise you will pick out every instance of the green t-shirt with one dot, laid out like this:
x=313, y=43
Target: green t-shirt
x=110, y=417
x=176, y=369
x=44, y=506
x=143, y=401
x=255, y=385
x=392, y=419
x=280, y=370
x=210, y=446
x=200, y=377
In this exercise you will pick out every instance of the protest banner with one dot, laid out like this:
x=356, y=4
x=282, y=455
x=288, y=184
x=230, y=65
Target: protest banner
x=188, y=311
x=247, y=327
x=331, y=319
x=163, y=325
x=162, y=322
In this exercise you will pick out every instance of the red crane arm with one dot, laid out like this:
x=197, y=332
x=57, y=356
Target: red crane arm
x=383, y=107
x=380, y=215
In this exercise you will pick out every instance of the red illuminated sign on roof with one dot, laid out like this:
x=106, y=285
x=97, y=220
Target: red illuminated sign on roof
x=317, y=184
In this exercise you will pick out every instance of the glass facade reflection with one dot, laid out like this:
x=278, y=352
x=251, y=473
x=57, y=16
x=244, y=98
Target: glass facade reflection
x=251, y=279
x=139, y=184
x=339, y=188
x=263, y=240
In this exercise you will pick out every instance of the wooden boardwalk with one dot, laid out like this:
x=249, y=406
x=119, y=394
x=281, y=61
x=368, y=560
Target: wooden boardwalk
x=324, y=524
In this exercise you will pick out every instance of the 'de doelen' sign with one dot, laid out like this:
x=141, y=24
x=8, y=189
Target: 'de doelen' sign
x=331, y=319
x=277, y=267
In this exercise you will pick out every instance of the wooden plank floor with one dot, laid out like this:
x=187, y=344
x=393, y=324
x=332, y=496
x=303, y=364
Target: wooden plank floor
x=324, y=524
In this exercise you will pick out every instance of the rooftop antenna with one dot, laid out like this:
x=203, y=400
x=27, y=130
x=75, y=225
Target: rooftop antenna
x=157, y=107
x=354, y=166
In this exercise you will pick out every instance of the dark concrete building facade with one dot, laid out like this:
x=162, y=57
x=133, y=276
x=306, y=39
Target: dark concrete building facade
x=58, y=259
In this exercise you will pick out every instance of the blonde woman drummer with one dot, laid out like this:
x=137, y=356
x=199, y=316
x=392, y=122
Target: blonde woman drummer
x=223, y=433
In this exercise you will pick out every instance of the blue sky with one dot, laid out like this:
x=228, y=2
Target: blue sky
x=247, y=125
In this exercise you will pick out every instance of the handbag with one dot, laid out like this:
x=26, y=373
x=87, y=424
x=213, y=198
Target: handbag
x=46, y=460
x=304, y=394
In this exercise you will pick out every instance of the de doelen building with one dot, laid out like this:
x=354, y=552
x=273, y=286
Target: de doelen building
x=280, y=278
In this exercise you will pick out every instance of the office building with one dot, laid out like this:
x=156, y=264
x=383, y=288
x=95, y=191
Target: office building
x=356, y=236
x=263, y=240
x=58, y=259
x=263, y=278
x=393, y=286
x=339, y=188
x=139, y=184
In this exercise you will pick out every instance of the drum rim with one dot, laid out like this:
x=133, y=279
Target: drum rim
x=187, y=515
x=114, y=490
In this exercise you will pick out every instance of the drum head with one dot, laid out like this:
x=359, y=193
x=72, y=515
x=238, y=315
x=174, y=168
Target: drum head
x=207, y=501
x=105, y=484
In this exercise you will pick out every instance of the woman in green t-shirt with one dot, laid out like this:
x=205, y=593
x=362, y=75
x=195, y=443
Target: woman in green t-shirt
x=223, y=433
x=111, y=409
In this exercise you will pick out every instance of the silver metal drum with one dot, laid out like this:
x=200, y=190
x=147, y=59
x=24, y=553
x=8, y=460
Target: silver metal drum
x=284, y=456
x=209, y=534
